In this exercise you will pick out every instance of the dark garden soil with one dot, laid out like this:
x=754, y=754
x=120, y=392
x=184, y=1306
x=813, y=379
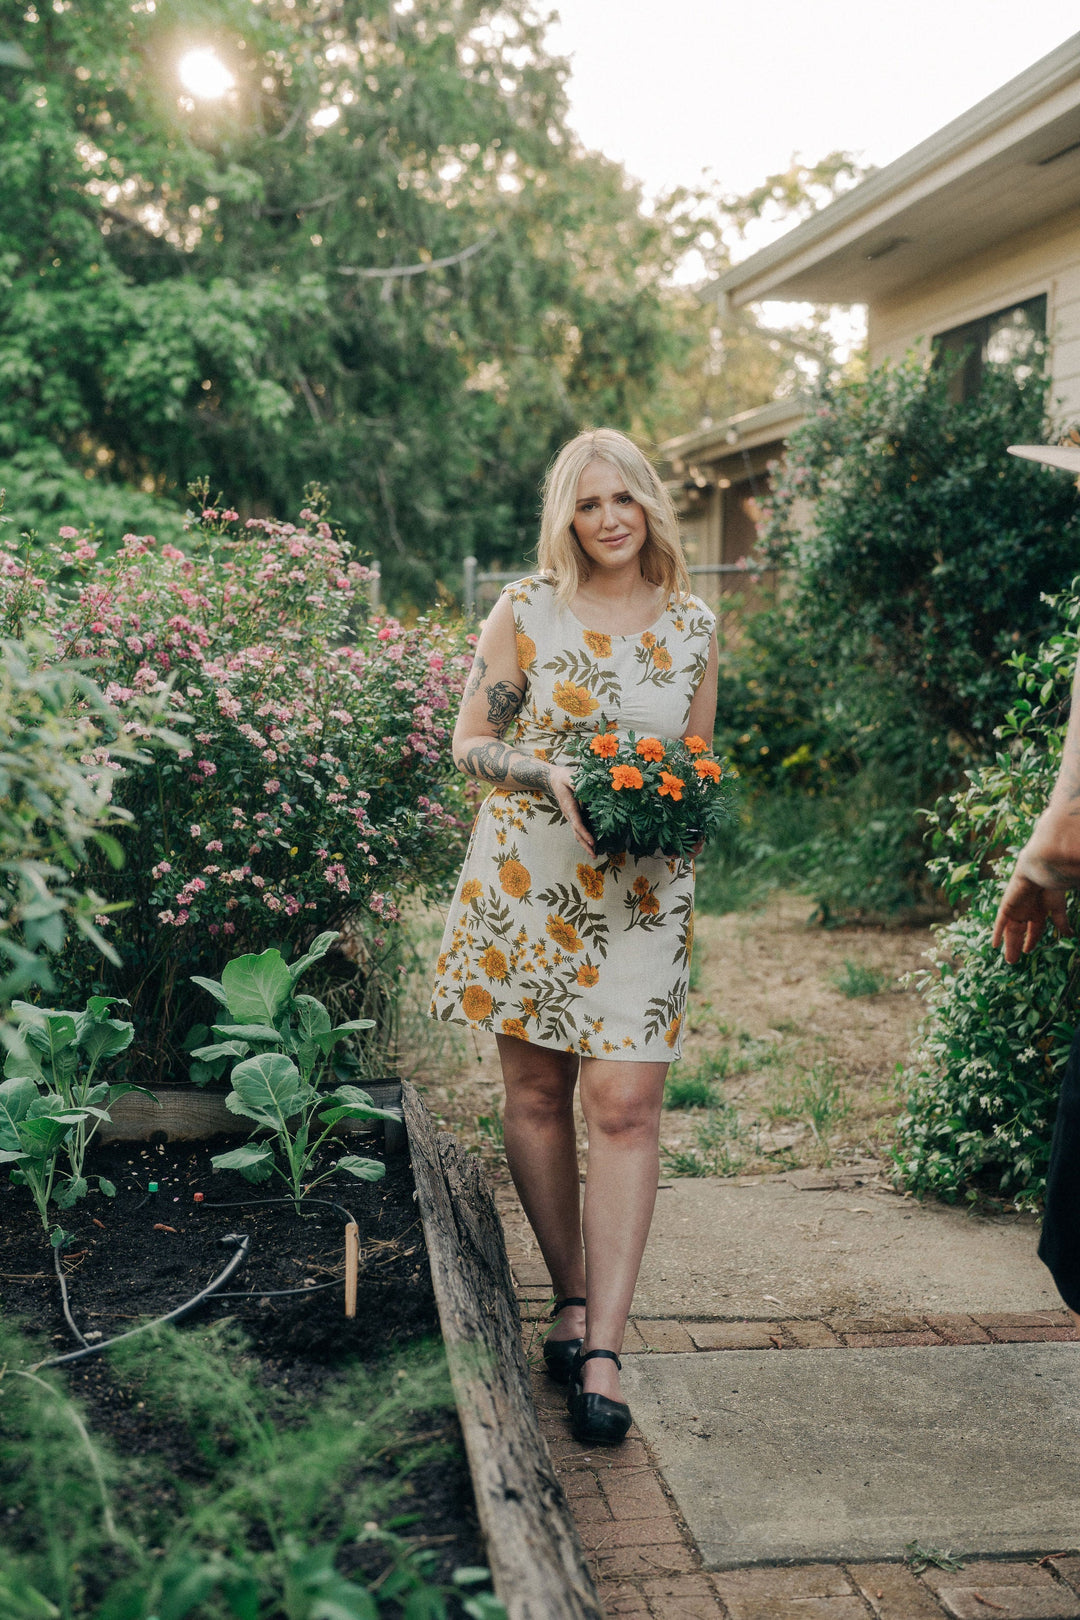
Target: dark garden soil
x=135, y=1256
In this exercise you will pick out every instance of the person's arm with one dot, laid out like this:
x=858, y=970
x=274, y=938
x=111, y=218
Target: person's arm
x=702, y=716
x=492, y=698
x=1049, y=863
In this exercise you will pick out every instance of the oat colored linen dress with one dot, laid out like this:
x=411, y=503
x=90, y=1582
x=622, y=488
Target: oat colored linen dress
x=541, y=943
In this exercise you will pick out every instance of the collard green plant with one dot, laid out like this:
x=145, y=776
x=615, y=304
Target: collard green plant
x=279, y=1047
x=984, y=1077
x=52, y=1099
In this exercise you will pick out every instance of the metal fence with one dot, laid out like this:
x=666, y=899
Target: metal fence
x=475, y=577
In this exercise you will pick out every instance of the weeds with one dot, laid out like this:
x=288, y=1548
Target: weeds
x=693, y=1090
x=858, y=979
x=490, y=1127
x=919, y=1558
x=815, y=1095
x=714, y=1152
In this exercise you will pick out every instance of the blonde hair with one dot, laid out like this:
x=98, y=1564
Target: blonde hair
x=559, y=554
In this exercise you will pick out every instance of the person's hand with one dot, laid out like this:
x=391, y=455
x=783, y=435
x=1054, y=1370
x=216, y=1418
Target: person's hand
x=563, y=793
x=1022, y=914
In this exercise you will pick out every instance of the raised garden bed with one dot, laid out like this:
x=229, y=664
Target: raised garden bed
x=141, y=1254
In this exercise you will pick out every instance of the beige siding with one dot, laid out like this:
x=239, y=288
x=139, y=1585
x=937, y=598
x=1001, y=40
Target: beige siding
x=1045, y=260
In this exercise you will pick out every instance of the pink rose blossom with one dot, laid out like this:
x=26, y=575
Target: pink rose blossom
x=68, y=533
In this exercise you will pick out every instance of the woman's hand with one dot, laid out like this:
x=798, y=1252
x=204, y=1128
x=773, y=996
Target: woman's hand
x=562, y=791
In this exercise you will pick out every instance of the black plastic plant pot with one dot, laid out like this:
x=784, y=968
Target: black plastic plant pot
x=617, y=843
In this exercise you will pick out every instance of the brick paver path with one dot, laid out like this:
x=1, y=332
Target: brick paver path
x=642, y=1555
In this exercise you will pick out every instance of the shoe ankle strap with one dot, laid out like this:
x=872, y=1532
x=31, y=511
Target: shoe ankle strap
x=561, y=1304
x=594, y=1355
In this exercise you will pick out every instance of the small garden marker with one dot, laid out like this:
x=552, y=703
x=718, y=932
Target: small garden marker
x=352, y=1261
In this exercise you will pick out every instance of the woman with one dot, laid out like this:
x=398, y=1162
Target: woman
x=579, y=963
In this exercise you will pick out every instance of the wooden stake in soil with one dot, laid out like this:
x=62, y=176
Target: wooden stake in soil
x=352, y=1262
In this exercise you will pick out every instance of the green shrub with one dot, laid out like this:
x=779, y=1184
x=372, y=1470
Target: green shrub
x=915, y=554
x=314, y=787
x=984, y=1078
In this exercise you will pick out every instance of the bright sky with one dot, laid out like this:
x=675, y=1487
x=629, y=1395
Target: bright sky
x=673, y=87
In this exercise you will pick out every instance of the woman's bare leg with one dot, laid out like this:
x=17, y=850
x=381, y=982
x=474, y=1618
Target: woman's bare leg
x=541, y=1151
x=621, y=1103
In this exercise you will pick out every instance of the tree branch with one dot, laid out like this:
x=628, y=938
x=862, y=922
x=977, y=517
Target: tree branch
x=419, y=269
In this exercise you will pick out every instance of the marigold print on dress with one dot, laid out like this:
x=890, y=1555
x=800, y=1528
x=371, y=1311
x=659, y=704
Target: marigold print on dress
x=541, y=944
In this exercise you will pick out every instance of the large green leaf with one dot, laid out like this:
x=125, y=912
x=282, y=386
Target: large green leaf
x=22, y=1065
x=50, y=1033
x=98, y=1006
x=311, y=1016
x=349, y=1102
x=248, y=1032
x=221, y=1049
x=254, y=1162
x=257, y=988
x=267, y=1088
x=315, y=953
x=211, y=985
x=105, y=1038
x=328, y=1039
x=16, y=1095
x=362, y=1169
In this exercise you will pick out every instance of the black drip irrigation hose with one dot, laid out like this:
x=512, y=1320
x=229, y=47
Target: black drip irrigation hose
x=58, y=1268
x=241, y=1240
x=212, y=1289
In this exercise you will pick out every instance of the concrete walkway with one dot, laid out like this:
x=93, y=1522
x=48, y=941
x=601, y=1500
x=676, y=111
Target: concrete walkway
x=932, y=1395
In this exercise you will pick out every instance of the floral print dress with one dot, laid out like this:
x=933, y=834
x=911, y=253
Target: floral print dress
x=542, y=943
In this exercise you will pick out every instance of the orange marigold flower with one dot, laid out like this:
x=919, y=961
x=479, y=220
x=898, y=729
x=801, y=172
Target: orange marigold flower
x=472, y=889
x=514, y=879
x=650, y=905
x=597, y=643
x=515, y=1028
x=528, y=1006
x=671, y=785
x=476, y=1003
x=591, y=881
x=576, y=700
x=587, y=975
x=672, y=1033
x=526, y=650
x=642, y=885
x=440, y=966
x=493, y=963
x=707, y=768
x=650, y=748
x=626, y=776
x=564, y=934
x=661, y=658
x=696, y=745
x=605, y=746
x=648, y=639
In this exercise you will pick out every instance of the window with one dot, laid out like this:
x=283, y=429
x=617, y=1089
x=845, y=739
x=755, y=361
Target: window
x=1010, y=337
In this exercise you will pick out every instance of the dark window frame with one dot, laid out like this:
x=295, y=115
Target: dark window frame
x=973, y=342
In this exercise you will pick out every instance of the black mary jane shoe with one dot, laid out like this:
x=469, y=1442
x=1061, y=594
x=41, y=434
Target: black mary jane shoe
x=559, y=1354
x=594, y=1419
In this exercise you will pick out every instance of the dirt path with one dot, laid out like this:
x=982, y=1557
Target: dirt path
x=791, y=1070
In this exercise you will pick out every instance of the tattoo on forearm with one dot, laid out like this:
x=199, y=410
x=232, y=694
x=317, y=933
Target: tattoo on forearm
x=504, y=701
x=493, y=761
x=476, y=677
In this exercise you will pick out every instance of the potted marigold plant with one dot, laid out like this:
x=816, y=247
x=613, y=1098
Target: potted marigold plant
x=650, y=795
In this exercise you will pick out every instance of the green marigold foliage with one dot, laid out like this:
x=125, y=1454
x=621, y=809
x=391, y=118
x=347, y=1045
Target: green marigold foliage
x=984, y=1078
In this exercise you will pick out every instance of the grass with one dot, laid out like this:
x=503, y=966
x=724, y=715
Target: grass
x=716, y=1148
x=858, y=979
x=760, y=851
x=815, y=1095
x=265, y=1522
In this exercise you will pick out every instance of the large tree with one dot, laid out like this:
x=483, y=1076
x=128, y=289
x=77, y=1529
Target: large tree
x=252, y=286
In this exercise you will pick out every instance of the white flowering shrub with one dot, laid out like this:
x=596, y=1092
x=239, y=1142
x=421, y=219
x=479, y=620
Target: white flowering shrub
x=984, y=1077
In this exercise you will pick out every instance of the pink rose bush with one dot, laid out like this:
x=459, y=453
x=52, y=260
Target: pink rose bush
x=313, y=784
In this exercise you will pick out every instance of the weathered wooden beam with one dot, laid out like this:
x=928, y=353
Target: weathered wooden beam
x=534, y=1552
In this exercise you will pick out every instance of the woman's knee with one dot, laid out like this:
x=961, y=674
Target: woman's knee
x=628, y=1113
x=539, y=1085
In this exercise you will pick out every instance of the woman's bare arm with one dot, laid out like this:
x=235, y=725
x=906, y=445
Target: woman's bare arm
x=492, y=698
x=702, y=717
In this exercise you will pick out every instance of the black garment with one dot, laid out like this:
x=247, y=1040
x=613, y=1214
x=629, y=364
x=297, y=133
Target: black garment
x=1059, y=1246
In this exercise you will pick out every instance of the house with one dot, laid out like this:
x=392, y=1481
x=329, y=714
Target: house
x=968, y=243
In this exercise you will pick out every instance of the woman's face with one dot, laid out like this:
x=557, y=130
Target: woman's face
x=610, y=525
